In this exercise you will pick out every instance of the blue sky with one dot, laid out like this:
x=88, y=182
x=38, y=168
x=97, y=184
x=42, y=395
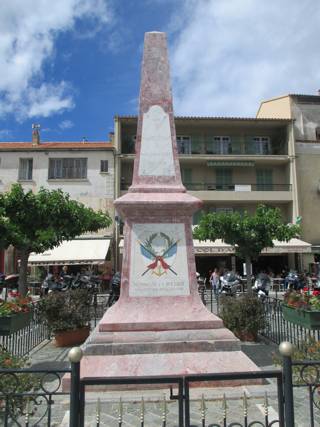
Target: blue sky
x=74, y=68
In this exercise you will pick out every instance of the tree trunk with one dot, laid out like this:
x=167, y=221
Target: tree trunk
x=249, y=273
x=23, y=270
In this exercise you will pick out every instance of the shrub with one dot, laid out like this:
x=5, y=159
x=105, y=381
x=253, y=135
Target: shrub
x=243, y=315
x=63, y=311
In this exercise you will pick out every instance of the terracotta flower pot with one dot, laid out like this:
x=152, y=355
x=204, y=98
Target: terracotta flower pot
x=73, y=337
x=246, y=336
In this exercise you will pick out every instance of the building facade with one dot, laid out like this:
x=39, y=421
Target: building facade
x=84, y=170
x=304, y=110
x=231, y=164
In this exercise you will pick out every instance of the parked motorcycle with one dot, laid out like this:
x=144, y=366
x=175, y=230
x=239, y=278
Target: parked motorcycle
x=230, y=284
x=292, y=281
x=115, y=285
x=51, y=284
x=261, y=291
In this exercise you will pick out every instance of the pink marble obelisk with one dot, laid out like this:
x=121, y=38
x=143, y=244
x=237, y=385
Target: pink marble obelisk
x=159, y=326
x=158, y=286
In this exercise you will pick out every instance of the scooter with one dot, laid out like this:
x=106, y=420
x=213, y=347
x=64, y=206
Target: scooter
x=260, y=289
x=229, y=284
x=292, y=281
x=50, y=285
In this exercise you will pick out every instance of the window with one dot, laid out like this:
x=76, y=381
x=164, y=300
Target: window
x=318, y=133
x=184, y=144
x=262, y=144
x=222, y=144
x=25, y=169
x=68, y=168
x=186, y=175
x=264, y=180
x=103, y=165
x=224, y=179
x=224, y=210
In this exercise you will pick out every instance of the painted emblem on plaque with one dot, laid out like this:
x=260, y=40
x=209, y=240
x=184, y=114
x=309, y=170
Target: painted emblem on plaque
x=161, y=250
x=158, y=260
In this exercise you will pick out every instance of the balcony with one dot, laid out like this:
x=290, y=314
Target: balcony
x=234, y=146
x=211, y=186
x=211, y=191
x=255, y=193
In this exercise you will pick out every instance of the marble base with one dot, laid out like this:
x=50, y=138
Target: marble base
x=149, y=314
x=149, y=342
x=166, y=364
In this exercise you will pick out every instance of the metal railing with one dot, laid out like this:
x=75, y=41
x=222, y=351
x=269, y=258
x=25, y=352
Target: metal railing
x=278, y=329
x=213, y=186
x=23, y=341
x=27, y=396
x=207, y=145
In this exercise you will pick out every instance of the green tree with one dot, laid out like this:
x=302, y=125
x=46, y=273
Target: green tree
x=36, y=222
x=248, y=234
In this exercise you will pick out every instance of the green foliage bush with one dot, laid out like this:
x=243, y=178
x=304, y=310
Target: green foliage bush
x=63, y=311
x=243, y=315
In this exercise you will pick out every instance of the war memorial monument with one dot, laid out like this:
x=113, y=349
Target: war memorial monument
x=159, y=326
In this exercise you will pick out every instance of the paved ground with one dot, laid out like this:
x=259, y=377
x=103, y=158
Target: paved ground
x=48, y=356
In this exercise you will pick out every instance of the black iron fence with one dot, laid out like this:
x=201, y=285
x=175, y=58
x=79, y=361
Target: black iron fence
x=306, y=375
x=24, y=340
x=31, y=397
x=28, y=397
x=278, y=329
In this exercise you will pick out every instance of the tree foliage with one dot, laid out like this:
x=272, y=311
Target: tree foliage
x=249, y=234
x=36, y=222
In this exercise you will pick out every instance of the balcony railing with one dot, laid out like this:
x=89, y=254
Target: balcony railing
x=212, y=186
x=236, y=145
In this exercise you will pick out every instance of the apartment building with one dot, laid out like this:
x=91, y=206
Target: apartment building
x=304, y=111
x=85, y=170
x=231, y=164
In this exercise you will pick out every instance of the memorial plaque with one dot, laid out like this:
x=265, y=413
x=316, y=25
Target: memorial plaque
x=159, y=260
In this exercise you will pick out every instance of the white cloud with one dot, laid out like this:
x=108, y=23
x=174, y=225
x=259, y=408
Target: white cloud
x=66, y=124
x=230, y=55
x=28, y=30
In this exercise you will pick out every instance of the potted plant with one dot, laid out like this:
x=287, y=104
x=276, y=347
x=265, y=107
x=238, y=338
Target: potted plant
x=15, y=314
x=302, y=309
x=243, y=315
x=67, y=315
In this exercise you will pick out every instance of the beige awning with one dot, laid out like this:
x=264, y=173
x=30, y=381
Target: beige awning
x=292, y=246
x=79, y=251
x=203, y=247
x=218, y=247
